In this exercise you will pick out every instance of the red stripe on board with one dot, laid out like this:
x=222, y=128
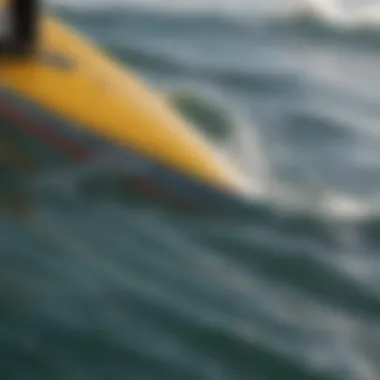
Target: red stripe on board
x=69, y=147
x=76, y=151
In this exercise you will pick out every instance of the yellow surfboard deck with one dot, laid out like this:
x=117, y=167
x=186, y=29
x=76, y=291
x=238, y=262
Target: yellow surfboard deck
x=73, y=79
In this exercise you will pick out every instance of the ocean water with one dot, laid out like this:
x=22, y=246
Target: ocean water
x=95, y=287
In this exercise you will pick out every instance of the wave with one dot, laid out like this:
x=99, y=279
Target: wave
x=313, y=22
x=261, y=80
x=114, y=268
x=227, y=126
x=196, y=7
x=365, y=16
x=330, y=14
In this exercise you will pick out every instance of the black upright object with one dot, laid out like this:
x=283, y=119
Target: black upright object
x=24, y=18
x=26, y=22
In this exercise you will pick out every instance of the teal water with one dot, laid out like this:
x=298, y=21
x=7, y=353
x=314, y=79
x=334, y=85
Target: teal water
x=98, y=287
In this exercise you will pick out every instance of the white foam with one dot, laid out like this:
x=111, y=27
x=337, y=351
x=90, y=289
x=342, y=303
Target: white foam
x=336, y=12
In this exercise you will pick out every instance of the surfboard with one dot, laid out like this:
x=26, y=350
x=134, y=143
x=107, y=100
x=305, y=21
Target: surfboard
x=71, y=91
